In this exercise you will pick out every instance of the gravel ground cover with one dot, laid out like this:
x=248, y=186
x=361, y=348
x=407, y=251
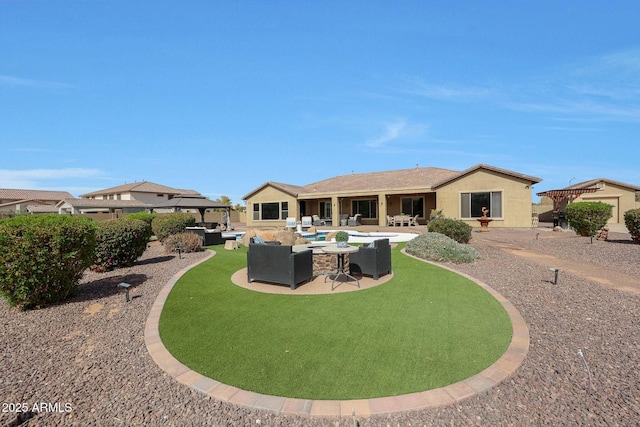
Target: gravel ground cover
x=86, y=360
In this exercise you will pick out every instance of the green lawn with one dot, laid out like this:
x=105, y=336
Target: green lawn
x=425, y=328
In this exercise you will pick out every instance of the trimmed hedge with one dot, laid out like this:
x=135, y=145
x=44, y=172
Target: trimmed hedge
x=43, y=257
x=440, y=248
x=455, y=229
x=188, y=242
x=632, y=221
x=164, y=225
x=119, y=243
x=587, y=218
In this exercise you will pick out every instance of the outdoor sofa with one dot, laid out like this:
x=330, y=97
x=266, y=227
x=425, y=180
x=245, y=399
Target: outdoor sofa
x=209, y=237
x=373, y=259
x=278, y=264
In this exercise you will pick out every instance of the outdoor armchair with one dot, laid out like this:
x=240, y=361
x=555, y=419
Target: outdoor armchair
x=373, y=259
x=209, y=237
x=278, y=264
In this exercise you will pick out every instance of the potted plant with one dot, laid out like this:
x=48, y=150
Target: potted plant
x=342, y=237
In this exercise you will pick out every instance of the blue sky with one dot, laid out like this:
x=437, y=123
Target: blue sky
x=222, y=96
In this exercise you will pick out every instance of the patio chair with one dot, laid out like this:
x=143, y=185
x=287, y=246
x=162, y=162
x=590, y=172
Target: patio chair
x=354, y=220
x=291, y=222
x=278, y=264
x=317, y=220
x=307, y=222
x=390, y=221
x=413, y=221
x=209, y=237
x=373, y=259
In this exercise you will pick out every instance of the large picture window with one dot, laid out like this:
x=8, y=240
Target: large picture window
x=472, y=203
x=413, y=206
x=365, y=207
x=270, y=211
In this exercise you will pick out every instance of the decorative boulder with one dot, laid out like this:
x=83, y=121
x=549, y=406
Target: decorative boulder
x=285, y=237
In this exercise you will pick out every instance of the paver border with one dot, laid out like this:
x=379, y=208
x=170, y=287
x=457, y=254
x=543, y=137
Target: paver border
x=502, y=369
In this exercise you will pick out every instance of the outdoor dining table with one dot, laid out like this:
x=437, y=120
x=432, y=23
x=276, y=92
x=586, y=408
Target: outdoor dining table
x=402, y=219
x=340, y=252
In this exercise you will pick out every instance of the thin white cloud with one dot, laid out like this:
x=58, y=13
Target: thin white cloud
x=43, y=178
x=21, y=82
x=394, y=131
x=448, y=92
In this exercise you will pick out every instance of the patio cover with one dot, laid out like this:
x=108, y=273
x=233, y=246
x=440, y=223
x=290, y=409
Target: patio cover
x=193, y=201
x=559, y=195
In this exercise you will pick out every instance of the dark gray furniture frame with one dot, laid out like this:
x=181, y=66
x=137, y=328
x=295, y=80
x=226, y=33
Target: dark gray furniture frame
x=209, y=238
x=374, y=261
x=277, y=264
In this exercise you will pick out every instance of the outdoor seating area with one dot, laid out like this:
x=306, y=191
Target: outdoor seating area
x=278, y=264
x=402, y=220
x=209, y=237
x=373, y=259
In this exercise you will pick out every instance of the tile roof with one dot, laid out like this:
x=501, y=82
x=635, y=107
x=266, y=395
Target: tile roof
x=593, y=182
x=44, y=195
x=140, y=187
x=99, y=203
x=414, y=178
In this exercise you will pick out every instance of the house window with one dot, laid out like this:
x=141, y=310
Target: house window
x=270, y=211
x=413, y=206
x=365, y=207
x=472, y=203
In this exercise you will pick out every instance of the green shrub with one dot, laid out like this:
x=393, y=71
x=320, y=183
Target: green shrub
x=440, y=248
x=456, y=229
x=587, y=218
x=119, y=243
x=632, y=221
x=342, y=236
x=189, y=242
x=164, y=225
x=43, y=257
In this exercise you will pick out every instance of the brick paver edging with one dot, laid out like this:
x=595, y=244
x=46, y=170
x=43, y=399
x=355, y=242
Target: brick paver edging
x=490, y=377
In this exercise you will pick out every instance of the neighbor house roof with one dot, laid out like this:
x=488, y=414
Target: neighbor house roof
x=140, y=187
x=189, y=201
x=593, y=182
x=42, y=195
x=97, y=203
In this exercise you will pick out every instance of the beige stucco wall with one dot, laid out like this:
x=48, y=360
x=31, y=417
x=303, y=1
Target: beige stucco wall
x=270, y=194
x=516, y=197
x=622, y=198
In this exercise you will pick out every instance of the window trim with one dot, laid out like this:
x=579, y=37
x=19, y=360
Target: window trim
x=282, y=214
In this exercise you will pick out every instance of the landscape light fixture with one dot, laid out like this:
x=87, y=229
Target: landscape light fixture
x=125, y=286
x=555, y=275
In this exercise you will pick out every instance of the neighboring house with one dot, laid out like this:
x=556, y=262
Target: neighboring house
x=620, y=195
x=23, y=201
x=145, y=191
x=126, y=198
x=413, y=192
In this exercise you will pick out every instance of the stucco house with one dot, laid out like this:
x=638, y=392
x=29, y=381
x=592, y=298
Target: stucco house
x=126, y=198
x=416, y=191
x=620, y=195
x=21, y=201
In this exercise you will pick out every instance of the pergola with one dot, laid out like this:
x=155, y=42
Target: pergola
x=193, y=201
x=559, y=195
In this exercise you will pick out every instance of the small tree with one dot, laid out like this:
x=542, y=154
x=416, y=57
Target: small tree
x=43, y=257
x=632, y=221
x=587, y=218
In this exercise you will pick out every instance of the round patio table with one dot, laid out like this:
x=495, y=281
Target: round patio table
x=340, y=254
